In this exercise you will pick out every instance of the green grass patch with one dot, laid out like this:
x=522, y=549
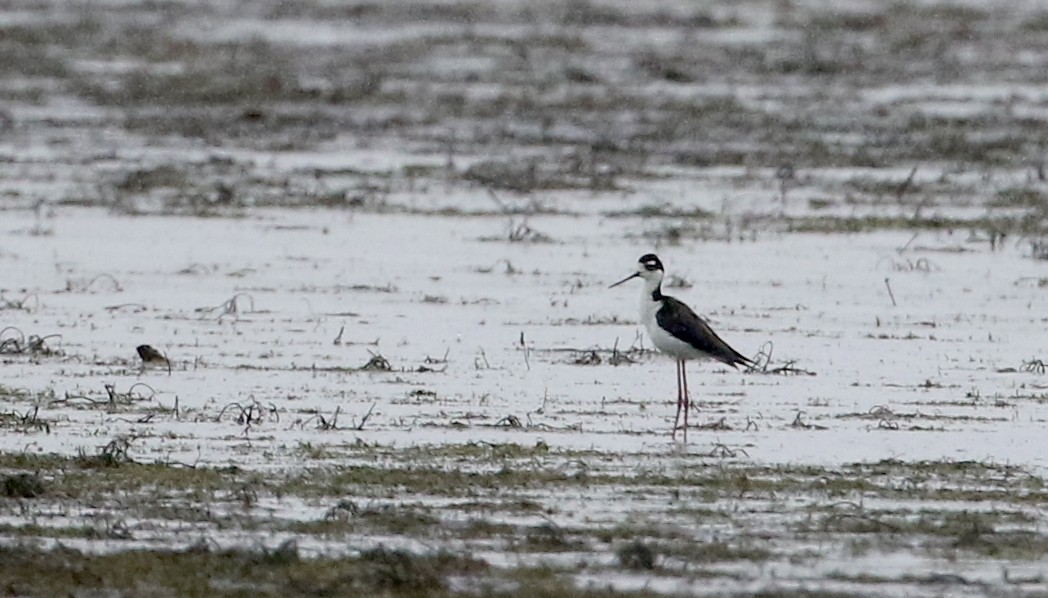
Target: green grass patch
x=346, y=518
x=990, y=534
x=862, y=224
x=200, y=571
x=662, y=211
x=1020, y=197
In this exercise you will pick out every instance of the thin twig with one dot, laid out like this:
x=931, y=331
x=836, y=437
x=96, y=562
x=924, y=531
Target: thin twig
x=367, y=416
x=905, y=184
x=524, y=345
x=890, y=294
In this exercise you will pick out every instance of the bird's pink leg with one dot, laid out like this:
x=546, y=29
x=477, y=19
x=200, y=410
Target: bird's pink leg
x=687, y=398
x=680, y=400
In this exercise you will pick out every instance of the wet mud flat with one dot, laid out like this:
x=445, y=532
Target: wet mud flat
x=373, y=243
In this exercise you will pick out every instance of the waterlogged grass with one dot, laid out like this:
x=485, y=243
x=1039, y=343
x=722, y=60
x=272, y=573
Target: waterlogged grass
x=1029, y=224
x=571, y=74
x=201, y=571
x=475, y=471
x=95, y=477
x=990, y=534
x=688, y=518
x=346, y=518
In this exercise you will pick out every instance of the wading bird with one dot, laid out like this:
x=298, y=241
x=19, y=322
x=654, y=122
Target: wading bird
x=676, y=330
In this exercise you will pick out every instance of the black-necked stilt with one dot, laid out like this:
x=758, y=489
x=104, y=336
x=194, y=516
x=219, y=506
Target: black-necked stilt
x=676, y=330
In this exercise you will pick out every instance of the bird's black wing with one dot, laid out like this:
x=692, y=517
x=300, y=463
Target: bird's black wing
x=679, y=320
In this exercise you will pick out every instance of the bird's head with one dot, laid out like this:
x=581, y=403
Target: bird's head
x=649, y=267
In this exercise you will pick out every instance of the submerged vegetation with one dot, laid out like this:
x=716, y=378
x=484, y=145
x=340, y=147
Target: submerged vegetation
x=560, y=99
x=464, y=497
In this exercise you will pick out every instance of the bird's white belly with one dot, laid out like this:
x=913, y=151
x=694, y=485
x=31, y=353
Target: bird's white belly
x=664, y=341
x=669, y=344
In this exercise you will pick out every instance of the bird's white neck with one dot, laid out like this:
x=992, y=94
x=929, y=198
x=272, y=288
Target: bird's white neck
x=650, y=301
x=652, y=289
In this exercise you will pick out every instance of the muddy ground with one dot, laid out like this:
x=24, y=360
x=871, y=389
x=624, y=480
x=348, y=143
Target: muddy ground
x=373, y=242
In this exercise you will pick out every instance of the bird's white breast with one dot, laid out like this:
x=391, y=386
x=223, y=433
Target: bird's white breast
x=664, y=341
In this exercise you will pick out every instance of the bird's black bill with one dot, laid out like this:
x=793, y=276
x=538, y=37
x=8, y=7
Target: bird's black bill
x=631, y=276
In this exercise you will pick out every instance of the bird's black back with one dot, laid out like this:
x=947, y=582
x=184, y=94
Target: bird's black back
x=679, y=320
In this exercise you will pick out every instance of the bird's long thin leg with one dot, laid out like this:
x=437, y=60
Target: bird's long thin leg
x=687, y=398
x=680, y=400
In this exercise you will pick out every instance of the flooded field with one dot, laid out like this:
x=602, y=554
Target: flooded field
x=372, y=244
